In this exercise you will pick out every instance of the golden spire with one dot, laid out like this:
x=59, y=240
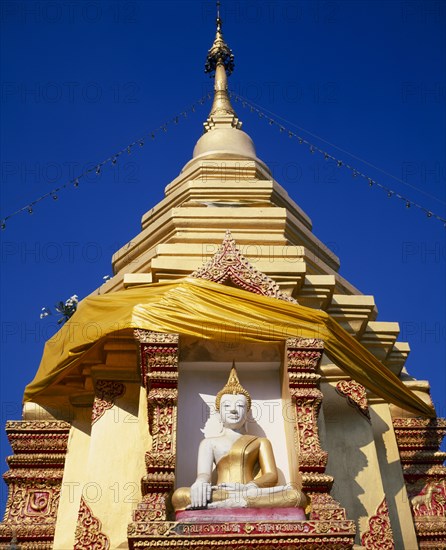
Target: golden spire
x=220, y=64
x=232, y=387
x=222, y=137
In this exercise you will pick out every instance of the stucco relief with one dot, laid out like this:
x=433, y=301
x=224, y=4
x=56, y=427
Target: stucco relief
x=107, y=391
x=356, y=396
x=379, y=535
x=88, y=531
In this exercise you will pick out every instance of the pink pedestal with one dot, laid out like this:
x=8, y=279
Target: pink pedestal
x=241, y=514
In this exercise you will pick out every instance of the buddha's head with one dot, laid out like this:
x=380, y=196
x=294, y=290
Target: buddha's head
x=233, y=402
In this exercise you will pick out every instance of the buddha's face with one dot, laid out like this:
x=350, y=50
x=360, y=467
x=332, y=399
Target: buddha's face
x=233, y=411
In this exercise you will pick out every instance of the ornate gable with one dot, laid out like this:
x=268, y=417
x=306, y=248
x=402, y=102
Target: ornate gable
x=228, y=265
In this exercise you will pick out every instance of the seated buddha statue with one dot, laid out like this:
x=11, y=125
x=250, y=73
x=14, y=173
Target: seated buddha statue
x=246, y=469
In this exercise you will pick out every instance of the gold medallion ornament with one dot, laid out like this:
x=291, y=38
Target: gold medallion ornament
x=232, y=387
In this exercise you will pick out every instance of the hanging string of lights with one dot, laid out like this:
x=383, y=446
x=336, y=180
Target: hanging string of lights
x=112, y=159
x=350, y=154
x=339, y=162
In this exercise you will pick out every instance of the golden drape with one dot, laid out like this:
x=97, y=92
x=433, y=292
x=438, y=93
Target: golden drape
x=209, y=310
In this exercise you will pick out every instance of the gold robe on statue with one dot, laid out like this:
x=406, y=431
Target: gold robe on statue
x=250, y=458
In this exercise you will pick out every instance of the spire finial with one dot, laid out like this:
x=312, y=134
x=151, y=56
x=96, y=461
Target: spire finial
x=220, y=64
x=220, y=52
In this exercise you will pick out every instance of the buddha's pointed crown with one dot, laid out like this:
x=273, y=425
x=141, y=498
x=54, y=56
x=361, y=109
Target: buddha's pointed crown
x=232, y=387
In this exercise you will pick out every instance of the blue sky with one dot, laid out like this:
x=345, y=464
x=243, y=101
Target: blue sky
x=82, y=80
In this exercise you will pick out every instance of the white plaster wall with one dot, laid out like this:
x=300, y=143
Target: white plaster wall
x=198, y=385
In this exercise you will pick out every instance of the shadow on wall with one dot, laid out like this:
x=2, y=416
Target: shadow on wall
x=345, y=434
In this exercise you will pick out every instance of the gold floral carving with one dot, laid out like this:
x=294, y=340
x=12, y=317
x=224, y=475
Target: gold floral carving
x=302, y=365
x=149, y=336
x=264, y=535
x=301, y=343
x=34, y=441
x=418, y=441
x=379, y=534
x=229, y=265
x=431, y=423
x=286, y=543
x=325, y=508
x=152, y=508
x=158, y=358
x=311, y=456
x=34, y=481
x=88, y=531
x=52, y=426
x=35, y=504
x=356, y=396
x=107, y=391
x=38, y=460
x=303, y=359
x=159, y=367
x=163, y=428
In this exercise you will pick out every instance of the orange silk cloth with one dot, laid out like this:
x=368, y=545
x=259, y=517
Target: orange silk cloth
x=209, y=310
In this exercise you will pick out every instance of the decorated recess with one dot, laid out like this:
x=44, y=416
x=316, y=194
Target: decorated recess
x=271, y=119
x=112, y=160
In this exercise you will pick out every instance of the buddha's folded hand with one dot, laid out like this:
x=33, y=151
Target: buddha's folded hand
x=200, y=494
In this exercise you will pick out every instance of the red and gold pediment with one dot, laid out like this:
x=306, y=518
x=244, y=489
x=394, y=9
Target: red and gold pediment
x=228, y=266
